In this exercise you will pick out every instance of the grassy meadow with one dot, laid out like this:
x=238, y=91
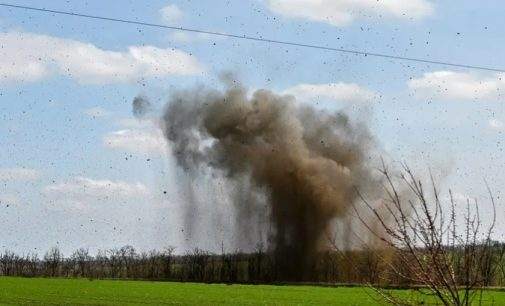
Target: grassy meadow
x=59, y=291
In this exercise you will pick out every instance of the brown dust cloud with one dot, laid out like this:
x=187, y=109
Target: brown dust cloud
x=304, y=163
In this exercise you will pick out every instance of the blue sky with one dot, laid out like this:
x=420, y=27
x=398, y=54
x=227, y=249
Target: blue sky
x=77, y=170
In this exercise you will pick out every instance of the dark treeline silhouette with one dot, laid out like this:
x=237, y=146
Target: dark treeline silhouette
x=357, y=267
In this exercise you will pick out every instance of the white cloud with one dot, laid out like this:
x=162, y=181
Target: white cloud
x=139, y=137
x=452, y=85
x=82, y=190
x=496, y=124
x=30, y=57
x=96, y=112
x=343, y=12
x=343, y=92
x=8, y=199
x=18, y=174
x=135, y=123
x=185, y=37
x=171, y=14
x=137, y=141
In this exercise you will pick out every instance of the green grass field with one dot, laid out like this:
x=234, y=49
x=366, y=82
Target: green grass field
x=23, y=291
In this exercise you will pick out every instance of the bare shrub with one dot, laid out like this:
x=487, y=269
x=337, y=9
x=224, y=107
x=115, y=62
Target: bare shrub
x=453, y=260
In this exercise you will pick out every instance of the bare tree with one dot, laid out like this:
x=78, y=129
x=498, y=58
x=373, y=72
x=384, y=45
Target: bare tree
x=128, y=255
x=32, y=264
x=167, y=259
x=7, y=260
x=255, y=263
x=81, y=260
x=453, y=260
x=100, y=265
x=52, y=261
x=196, y=263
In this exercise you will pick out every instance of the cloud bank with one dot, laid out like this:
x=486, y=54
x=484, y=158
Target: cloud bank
x=31, y=57
x=171, y=14
x=343, y=92
x=451, y=85
x=137, y=136
x=343, y=12
x=82, y=190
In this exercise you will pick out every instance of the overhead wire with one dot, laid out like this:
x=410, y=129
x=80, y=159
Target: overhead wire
x=256, y=38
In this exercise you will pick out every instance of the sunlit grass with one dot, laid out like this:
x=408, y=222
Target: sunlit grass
x=16, y=291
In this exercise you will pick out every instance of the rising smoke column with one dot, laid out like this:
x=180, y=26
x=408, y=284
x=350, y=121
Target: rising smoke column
x=306, y=162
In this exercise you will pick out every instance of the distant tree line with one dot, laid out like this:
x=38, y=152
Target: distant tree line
x=359, y=267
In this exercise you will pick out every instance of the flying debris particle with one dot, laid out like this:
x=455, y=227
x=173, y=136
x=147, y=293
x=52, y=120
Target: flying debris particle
x=141, y=107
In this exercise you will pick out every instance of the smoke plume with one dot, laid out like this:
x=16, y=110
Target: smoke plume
x=304, y=163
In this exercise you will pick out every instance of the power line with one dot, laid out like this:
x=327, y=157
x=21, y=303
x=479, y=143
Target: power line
x=254, y=38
